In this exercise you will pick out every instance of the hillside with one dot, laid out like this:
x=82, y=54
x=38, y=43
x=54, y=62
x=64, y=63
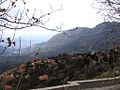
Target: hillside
x=5, y=52
x=32, y=49
x=60, y=69
x=83, y=40
x=9, y=62
x=89, y=53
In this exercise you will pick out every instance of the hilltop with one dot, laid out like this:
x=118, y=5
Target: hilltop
x=83, y=40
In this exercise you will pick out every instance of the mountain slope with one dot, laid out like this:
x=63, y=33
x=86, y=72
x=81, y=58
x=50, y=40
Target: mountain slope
x=5, y=52
x=83, y=40
x=32, y=49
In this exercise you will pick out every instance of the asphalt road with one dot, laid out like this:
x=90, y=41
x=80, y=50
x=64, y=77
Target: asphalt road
x=113, y=87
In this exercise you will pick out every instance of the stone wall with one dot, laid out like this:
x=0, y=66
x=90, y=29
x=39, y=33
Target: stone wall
x=78, y=85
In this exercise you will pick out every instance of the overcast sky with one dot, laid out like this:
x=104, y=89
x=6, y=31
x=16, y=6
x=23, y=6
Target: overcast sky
x=75, y=13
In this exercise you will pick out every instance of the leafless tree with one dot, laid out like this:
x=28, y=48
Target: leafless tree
x=15, y=15
x=110, y=9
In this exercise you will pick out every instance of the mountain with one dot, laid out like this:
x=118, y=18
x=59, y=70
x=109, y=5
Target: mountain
x=5, y=51
x=32, y=49
x=83, y=40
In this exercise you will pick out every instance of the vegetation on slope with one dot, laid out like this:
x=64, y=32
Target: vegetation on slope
x=83, y=40
x=60, y=69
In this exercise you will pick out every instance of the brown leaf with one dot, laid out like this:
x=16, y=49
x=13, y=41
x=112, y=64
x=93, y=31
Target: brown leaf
x=36, y=21
x=2, y=10
x=9, y=42
x=14, y=43
x=13, y=3
x=37, y=53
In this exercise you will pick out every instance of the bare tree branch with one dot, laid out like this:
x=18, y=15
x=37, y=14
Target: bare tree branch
x=110, y=9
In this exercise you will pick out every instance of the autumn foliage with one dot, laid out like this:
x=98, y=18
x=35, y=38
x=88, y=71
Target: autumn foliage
x=44, y=77
x=8, y=87
x=38, y=73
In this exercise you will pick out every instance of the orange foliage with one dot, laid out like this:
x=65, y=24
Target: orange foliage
x=3, y=83
x=0, y=77
x=108, y=56
x=79, y=56
x=100, y=57
x=7, y=87
x=73, y=57
x=54, y=63
x=44, y=77
x=9, y=72
x=50, y=60
x=33, y=68
x=11, y=78
x=34, y=60
x=20, y=68
x=7, y=77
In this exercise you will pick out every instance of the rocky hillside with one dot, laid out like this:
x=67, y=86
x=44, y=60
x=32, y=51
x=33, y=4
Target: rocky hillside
x=83, y=40
x=60, y=69
x=32, y=49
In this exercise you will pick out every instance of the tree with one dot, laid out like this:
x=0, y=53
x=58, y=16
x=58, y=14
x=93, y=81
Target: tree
x=15, y=15
x=110, y=9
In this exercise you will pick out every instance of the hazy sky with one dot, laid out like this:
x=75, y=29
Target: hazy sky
x=75, y=13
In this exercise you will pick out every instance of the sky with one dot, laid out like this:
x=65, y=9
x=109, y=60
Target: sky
x=74, y=13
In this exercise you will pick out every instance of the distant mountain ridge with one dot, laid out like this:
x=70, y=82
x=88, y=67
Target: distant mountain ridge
x=83, y=40
x=4, y=51
x=32, y=49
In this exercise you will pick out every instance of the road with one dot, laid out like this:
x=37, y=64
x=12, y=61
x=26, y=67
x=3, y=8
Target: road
x=113, y=87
